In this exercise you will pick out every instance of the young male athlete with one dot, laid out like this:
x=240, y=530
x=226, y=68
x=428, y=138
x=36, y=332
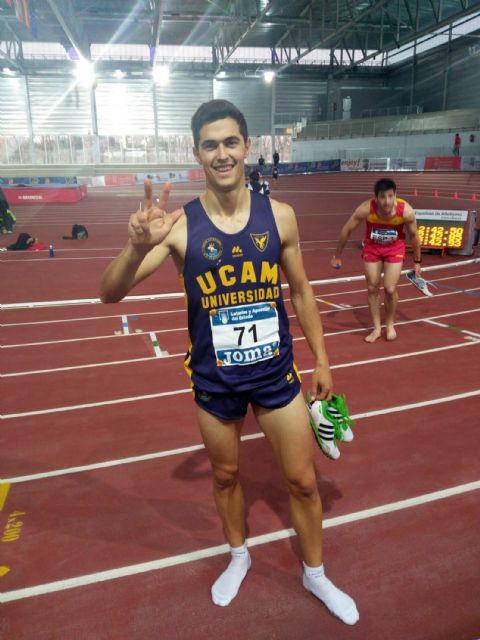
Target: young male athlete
x=386, y=216
x=228, y=246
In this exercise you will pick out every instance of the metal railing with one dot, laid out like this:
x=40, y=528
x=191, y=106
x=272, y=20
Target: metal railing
x=458, y=120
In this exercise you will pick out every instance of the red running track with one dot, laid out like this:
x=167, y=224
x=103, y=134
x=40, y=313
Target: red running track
x=102, y=487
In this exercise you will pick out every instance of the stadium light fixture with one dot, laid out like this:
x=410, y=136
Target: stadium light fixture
x=85, y=72
x=268, y=76
x=161, y=75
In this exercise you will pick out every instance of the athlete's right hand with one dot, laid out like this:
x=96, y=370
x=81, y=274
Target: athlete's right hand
x=336, y=262
x=151, y=224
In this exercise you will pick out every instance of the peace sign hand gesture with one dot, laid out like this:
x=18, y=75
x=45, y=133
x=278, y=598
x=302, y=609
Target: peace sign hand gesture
x=151, y=224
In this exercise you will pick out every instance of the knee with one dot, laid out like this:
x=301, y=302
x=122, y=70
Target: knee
x=225, y=478
x=373, y=289
x=390, y=290
x=303, y=486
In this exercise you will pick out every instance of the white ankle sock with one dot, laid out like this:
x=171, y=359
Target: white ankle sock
x=341, y=605
x=226, y=587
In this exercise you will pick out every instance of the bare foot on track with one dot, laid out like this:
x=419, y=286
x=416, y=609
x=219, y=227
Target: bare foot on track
x=376, y=333
x=391, y=334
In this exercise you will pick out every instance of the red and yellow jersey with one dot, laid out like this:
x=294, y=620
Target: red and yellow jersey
x=382, y=231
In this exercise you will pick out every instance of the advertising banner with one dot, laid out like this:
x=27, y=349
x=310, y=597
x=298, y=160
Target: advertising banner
x=57, y=180
x=378, y=164
x=160, y=177
x=442, y=163
x=120, y=179
x=470, y=163
x=407, y=164
x=353, y=165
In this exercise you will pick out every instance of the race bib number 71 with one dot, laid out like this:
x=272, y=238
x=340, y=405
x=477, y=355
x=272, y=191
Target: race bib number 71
x=245, y=334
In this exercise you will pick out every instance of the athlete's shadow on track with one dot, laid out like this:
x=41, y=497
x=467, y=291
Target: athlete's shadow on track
x=260, y=479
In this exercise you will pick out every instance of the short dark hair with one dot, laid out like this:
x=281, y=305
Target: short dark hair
x=384, y=184
x=255, y=176
x=217, y=110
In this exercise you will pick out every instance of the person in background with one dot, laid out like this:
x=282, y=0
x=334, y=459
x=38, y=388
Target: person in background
x=257, y=184
x=275, y=173
x=7, y=217
x=276, y=158
x=261, y=161
x=386, y=217
x=457, y=143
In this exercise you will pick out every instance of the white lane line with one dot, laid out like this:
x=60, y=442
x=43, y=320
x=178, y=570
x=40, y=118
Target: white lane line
x=198, y=447
x=57, y=259
x=353, y=308
x=83, y=301
x=182, y=309
x=169, y=393
x=182, y=353
x=164, y=355
x=66, y=340
x=50, y=303
x=156, y=347
x=209, y=552
x=333, y=304
x=446, y=326
x=108, y=317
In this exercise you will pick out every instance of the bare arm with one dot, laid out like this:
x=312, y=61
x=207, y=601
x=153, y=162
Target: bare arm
x=303, y=299
x=359, y=215
x=411, y=224
x=147, y=247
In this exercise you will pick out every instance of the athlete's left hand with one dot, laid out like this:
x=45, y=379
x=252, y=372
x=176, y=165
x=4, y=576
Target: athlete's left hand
x=322, y=385
x=417, y=267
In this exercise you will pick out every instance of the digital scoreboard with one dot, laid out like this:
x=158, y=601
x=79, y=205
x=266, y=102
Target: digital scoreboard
x=446, y=230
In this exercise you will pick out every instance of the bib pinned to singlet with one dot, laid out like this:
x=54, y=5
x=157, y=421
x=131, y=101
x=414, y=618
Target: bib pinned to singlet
x=383, y=236
x=245, y=334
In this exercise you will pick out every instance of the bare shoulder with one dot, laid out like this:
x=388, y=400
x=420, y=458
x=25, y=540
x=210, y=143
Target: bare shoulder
x=408, y=212
x=362, y=210
x=285, y=218
x=281, y=209
x=176, y=241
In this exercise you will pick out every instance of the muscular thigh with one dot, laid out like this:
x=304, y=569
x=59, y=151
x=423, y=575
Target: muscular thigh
x=373, y=273
x=221, y=439
x=288, y=431
x=391, y=273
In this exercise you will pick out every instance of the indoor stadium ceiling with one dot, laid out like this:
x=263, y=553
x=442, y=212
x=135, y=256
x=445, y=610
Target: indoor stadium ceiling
x=291, y=29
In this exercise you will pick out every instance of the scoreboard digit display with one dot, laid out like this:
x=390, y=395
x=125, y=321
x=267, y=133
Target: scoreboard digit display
x=446, y=230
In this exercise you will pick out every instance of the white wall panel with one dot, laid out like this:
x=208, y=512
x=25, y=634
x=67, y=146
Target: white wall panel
x=253, y=97
x=124, y=107
x=59, y=105
x=13, y=110
x=178, y=101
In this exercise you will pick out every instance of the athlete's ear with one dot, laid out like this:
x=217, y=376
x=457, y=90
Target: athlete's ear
x=195, y=154
x=247, y=147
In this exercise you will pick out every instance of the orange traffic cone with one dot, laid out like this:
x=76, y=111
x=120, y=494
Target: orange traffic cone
x=474, y=196
x=435, y=194
x=455, y=195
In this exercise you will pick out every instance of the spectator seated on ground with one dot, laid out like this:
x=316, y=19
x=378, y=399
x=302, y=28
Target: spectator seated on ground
x=25, y=242
x=257, y=184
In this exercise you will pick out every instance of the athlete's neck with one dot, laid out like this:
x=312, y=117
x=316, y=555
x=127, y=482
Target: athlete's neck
x=228, y=203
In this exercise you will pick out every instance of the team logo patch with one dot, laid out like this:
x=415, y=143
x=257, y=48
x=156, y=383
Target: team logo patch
x=212, y=248
x=260, y=240
x=237, y=252
x=203, y=396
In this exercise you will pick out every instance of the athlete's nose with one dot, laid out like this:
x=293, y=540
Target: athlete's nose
x=222, y=152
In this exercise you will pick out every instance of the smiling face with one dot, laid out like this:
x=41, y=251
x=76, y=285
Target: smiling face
x=222, y=151
x=386, y=202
